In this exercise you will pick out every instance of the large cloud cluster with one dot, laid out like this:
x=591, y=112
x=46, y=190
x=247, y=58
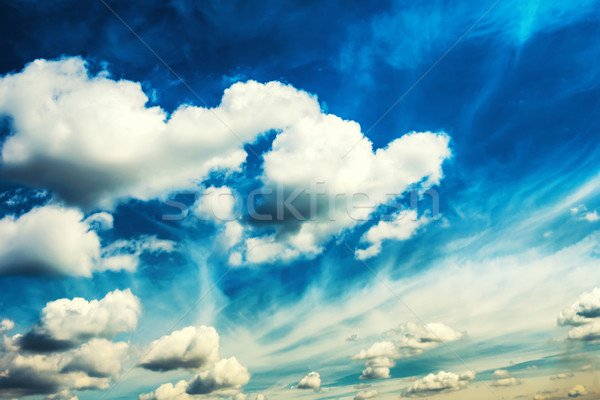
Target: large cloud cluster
x=584, y=317
x=408, y=340
x=307, y=159
x=195, y=349
x=99, y=143
x=69, y=348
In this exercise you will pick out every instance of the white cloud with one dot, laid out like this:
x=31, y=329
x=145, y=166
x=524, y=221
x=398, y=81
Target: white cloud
x=577, y=391
x=408, y=340
x=588, y=333
x=377, y=368
x=586, y=309
x=310, y=381
x=67, y=322
x=94, y=364
x=54, y=240
x=378, y=349
x=97, y=358
x=226, y=377
x=415, y=338
x=541, y=396
x=584, y=315
x=440, y=382
x=62, y=395
x=125, y=254
x=101, y=221
x=168, y=391
x=99, y=143
x=24, y=375
x=6, y=325
x=403, y=226
x=582, y=213
x=366, y=394
x=561, y=376
x=191, y=348
x=501, y=374
x=218, y=204
x=309, y=159
x=503, y=378
x=592, y=216
x=49, y=239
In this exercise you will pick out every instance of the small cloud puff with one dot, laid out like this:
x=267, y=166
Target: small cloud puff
x=541, y=396
x=310, y=381
x=440, y=382
x=404, y=225
x=503, y=378
x=366, y=394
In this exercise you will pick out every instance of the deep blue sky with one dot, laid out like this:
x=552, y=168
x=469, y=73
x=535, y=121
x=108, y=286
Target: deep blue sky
x=518, y=96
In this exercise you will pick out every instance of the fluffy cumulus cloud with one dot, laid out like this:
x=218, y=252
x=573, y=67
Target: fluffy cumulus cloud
x=6, y=325
x=310, y=381
x=51, y=240
x=577, y=391
x=168, y=391
x=379, y=359
x=66, y=323
x=98, y=358
x=190, y=348
x=195, y=349
x=99, y=143
x=54, y=240
x=403, y=226
x=366, y=394
x=335, y=186
x=584, y=316
x=224, y=378
x=68, y=349
x=440, y=382
x=408, y=340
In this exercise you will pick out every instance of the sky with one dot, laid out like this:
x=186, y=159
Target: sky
x=299, y=200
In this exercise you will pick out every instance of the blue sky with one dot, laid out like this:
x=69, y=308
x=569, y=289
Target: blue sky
x=451, y=250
